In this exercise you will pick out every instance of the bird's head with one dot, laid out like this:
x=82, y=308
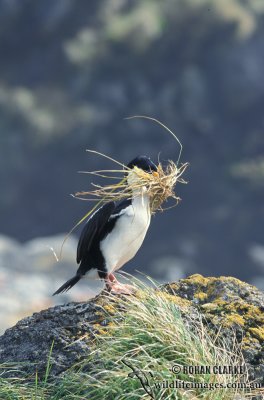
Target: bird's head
x=142, y=162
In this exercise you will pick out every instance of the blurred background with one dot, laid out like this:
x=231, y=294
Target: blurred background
x=70, y=71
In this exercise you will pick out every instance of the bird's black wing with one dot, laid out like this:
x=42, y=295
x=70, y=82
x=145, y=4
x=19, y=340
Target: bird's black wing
x=93, y=228
x=121, y=206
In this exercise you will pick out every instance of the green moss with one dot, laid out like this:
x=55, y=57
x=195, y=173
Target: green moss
x=234, y=319
x=238, y=312
x=201, y=296
x=225, y=311
x=198, y=279
x=258, y=333
x=229, y=311
x=99, y=328
x=249, y=341
x=110, y=308
x=179, y=301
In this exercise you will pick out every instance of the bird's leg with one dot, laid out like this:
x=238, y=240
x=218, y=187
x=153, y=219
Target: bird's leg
x=112, y=285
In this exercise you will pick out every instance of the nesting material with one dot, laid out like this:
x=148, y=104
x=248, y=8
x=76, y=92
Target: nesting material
x=159, y=186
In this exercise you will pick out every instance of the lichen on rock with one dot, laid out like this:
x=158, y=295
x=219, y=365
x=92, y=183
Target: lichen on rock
x=226, y=305
x=231, y=305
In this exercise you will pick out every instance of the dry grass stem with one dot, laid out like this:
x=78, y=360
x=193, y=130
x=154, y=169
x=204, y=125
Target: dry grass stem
x=160, y=187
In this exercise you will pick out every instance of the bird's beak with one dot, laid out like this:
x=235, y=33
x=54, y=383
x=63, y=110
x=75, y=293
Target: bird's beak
x=155, y=173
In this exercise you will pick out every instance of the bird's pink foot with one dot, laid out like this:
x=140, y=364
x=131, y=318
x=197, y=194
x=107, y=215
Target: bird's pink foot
x=116, y=287
x=120, y=288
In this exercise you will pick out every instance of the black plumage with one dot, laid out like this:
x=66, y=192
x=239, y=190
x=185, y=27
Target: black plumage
x=112, y=220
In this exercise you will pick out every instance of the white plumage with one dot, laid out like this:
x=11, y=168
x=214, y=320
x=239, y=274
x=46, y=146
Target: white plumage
x=121, y=245
x=113, y=235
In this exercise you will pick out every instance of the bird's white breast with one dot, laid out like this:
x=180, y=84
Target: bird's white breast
x=126, y=238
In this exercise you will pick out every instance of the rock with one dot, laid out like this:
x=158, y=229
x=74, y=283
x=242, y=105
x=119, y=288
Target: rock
x=68, y=329
x=233, y=305
x=31, y=339
x=29, y=274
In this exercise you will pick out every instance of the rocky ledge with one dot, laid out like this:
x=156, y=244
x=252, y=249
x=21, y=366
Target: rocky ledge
x=225, y=302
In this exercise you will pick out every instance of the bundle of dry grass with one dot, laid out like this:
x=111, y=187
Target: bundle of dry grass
x=159, y=186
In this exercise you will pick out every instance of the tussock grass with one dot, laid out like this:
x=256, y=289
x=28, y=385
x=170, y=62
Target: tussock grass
x=135, y=353
x=152, y=338
x=159, y=186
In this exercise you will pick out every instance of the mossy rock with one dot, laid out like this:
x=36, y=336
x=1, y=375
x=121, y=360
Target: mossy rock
x=226, y=305
x=232, y=306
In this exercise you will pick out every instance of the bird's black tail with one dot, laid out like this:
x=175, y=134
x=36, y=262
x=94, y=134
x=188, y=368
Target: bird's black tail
x=68, y=285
